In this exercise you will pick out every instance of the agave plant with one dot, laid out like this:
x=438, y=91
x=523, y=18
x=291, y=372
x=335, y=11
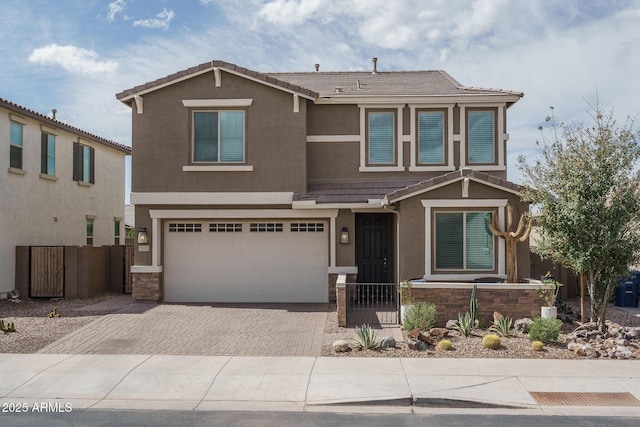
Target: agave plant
x=502, y=326
x=465, y=324
x=367, y=339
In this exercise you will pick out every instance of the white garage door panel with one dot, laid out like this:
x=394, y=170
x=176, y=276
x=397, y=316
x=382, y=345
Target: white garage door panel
x=246, y=266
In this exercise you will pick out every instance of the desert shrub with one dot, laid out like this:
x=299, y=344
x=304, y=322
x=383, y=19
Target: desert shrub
x=421, y=316
x=502, y=326
x=545, y=330
x=367, y=338
x=537, y=346
x=491, y=341
x=445, y=345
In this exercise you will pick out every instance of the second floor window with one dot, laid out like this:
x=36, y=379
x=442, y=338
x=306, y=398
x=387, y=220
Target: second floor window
x=431, y=137
x=83, y=163
x=47, y=154
x=481, y=137
x=381, y=138
x=15, y=146
x=218, y=136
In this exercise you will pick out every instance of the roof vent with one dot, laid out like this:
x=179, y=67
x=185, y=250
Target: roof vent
x=317, y=67
x=53, y=113
x=375, y=66
x=338, y=89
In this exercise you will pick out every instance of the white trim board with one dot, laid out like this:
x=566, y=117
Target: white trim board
x=212, y=198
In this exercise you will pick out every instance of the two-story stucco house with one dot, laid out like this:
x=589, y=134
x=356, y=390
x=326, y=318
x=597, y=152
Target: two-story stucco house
x=263, y=187
x=60, y=186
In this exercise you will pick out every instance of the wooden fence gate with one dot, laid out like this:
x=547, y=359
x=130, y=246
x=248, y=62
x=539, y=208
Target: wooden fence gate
x=46, y=277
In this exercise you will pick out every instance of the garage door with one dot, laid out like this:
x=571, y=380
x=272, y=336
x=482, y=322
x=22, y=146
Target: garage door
x=246, y=261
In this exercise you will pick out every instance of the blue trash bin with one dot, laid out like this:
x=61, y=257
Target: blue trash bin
x=627, y=292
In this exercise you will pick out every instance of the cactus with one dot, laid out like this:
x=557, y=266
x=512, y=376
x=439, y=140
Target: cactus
x=473, y=307
x=537, y=346
x=511, y=238
x=491, y=341
x=445, y=345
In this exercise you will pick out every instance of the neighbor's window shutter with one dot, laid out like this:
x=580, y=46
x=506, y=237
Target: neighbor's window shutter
x=449, y=240
x=231, y=136
x=481, y=137
x=43, y=153
x=77, y=162
x=431, y=136
x=92, y=165
x=479, y=241
x=381, y=138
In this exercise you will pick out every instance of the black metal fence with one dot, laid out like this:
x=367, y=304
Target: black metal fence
x=373, y=303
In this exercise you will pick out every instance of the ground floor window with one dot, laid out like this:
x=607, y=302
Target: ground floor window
x=463, y=241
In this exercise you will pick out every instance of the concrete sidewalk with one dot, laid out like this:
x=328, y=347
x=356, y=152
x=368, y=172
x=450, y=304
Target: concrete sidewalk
x=166, y=382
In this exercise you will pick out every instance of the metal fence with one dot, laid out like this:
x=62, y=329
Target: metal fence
x=373, y=303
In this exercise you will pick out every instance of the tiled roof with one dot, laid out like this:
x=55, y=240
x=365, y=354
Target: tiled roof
x=393, y=190
x=422, y=186
x=11, y=106
x=338, y=84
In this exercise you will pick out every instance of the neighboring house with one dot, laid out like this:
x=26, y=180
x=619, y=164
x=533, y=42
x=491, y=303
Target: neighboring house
x=263, y=187
x=60, y=186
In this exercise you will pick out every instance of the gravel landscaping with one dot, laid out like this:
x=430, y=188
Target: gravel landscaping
x=35, y=330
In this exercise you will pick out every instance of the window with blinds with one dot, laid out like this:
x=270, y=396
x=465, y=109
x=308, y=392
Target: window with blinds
x=463, y=241
x=481, y=136
x=381, y=138
x=218, y=136
x=431, y=137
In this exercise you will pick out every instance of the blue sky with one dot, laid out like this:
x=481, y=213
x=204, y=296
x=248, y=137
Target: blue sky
x=75, y=55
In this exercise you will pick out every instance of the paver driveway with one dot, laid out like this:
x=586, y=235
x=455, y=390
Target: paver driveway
x=219, y=330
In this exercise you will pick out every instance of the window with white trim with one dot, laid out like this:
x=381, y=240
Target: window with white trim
x=116, y=232
x=90, y=231
x=265, y=227
x=218, y=136
x=83, y=163
x=431, y=137
x=381, y=138
x=185, y=228
x=463, y=241
x=225, y=228
x=15, y=145
x=47, y=154
x=481, y=136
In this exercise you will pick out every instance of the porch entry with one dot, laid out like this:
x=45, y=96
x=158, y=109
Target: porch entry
x=374, y=298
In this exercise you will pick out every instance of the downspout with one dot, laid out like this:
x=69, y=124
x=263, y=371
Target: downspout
x=385, y=206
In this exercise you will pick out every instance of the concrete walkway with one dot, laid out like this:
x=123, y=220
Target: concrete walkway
x=166, y=382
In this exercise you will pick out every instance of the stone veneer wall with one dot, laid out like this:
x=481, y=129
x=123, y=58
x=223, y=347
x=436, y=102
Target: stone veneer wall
x=146, y=286
x=341, y=295
x=513, y=300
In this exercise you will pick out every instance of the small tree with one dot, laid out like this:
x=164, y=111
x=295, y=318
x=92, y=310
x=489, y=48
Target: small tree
x=587, y=192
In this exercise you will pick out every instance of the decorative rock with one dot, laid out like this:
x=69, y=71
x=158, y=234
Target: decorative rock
x=341, y=346
x=413, y=344
x=424, y=337
x=388, y=342
x=423, y=346
x=414, y=333
x=451, y=324
x=573, y=346
x=522, y=325
x=438, y=332
x=497, y=316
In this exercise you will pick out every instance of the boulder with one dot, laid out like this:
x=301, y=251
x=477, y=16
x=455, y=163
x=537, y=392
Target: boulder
x=414, y=333
x=388, y=342
x=451, y=324
x=341, y=346
x=413, y=344
x=522, y=325
x=438, y=332
x=424, y=337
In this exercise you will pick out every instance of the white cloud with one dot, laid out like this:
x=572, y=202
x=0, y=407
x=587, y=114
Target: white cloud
x=73, y=59
x=163, y=20
x=115, y=8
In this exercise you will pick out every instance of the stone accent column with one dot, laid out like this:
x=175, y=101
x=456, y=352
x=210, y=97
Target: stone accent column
x=146, y=286
x=333, y=277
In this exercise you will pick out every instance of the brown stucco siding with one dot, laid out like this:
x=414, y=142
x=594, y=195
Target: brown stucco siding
x=333, y=119
x=274, y=139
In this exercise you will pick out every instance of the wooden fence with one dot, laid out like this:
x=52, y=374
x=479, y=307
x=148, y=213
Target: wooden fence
x=47, y=271
x=73, y=271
